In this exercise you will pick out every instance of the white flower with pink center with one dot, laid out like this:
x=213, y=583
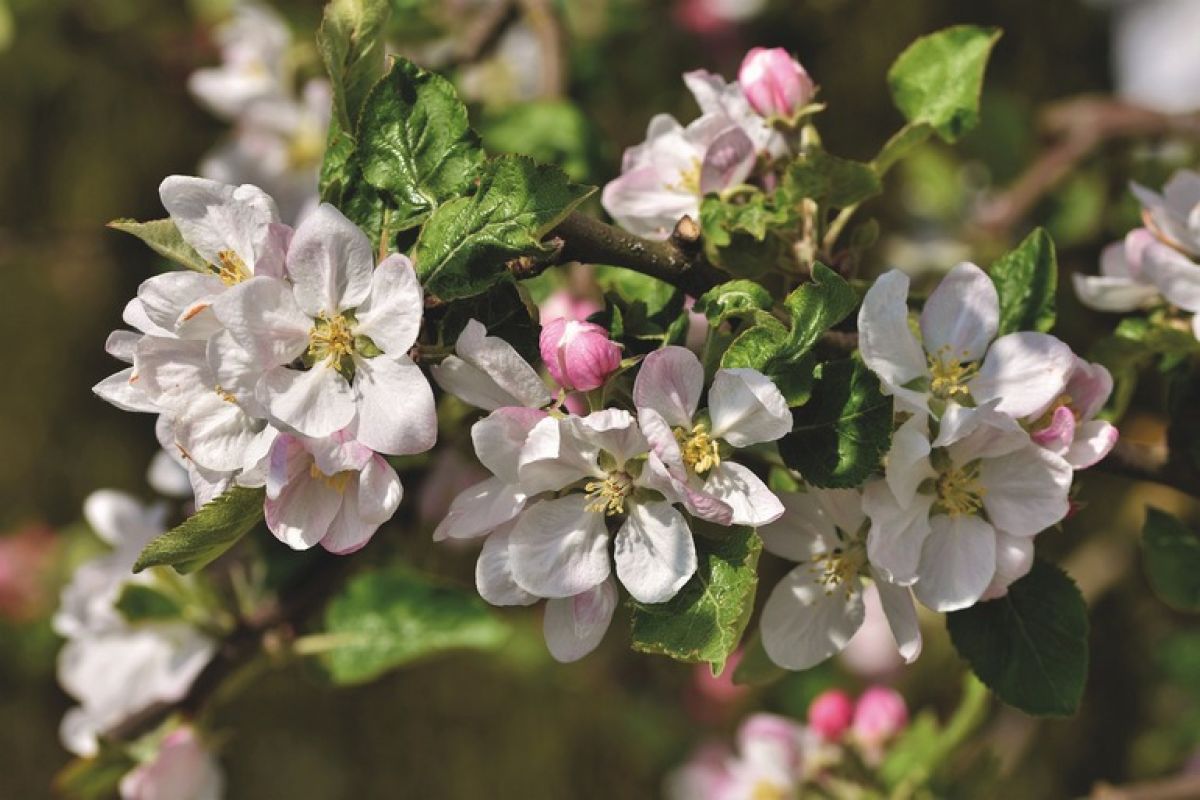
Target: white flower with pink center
x=1069, y=427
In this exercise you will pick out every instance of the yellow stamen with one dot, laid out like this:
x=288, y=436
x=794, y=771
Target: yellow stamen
x=837, y=568
x=950, y=375
x=959, y=492
x=224, y=394
x=689, y=179
x=337, y=482
x=231, y=269
x=331, y=339
x=699, y=450
x=608, y=496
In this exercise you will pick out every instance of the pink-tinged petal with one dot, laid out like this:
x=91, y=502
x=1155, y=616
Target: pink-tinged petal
x=958, y=560
x=575, y=626
x=272, y=259
x=962, y=315
x=1175, y=275
x=1136, y=242
x=396, y=412
x=775, y=84
x=559, y=548
x=647, y=202
x=897, y=532
x=391, y=314
x=330, y=262
x=887, y=344
x=500, y=436
x=728, y=161
x=263, y=319
x=670, y=382
x=747, y=408
x=489, y=370
x=673, y=483
x=1116, y=295
x=316, y=402
x=654, y=552
x=752, y=502
x=493, y=573
x=214, y=217
x=1014, y=559
x=1113, y=263
x=172, y=298
x=908, y=462
x=803, y=623
x=658, y=433
x=301, y=515
x=1025, y=371
x=287, y=459
x=555, y=456
x=1027, y=491
x=1093, y=441
x=367, y=502
x=901, y=613
x=1089, y=388
x=578, y=355
x=339, y=452
x=121, y=390
x=1059, y=432
x=480, y=509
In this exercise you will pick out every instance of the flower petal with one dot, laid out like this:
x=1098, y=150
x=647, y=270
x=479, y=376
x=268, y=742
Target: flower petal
x=752, y=502
x=500, y=361
x=961, y=315
x=500, y=436
x=316, y=402
x=897, y=532
x=670, y=381
x=493, y=573
x=958, y=560
x=908, y=462
x=1175, y=275
x=480, y=509
x=803, y=623
x=1014, y=559
x=901, y=613
x=575, y=626
x=613, y=430
x=330, y=263
x=367, y=503
x=391, y=314
x=215, y=432
x=174, y=299
x=1093, y=441
x=396, y=413
x=554, y=456
x=559, y=548
x=1118, y=295
x=1025, y=371
x=806, y=529
x=121, y=389
x=263, y=318
x=302, y=513
x=213, y=217
x=887, y=344
x=654, y=552
x=1027, y=490
x=747, y=408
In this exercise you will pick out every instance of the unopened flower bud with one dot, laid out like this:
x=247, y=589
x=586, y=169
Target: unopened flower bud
x=830, y=714
x=881, y=713
x=775, y=83
x=579, y=355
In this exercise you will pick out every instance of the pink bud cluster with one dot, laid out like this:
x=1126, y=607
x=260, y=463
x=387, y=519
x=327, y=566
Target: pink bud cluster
x=878, y=715
x=775, y=83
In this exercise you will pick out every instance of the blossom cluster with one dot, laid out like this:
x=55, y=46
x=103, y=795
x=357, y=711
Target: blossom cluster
x=567, y=487
x=1158, y=262
x=278, y=138
x=283, y=365
x=780, y=757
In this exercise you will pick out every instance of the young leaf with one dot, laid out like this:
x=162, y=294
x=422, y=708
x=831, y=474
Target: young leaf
x=738, y=235
x=939, y=78
x=758, y=346
x=1026, y=280
x=829, y=180
x=705, y=621
x=841, y=435
x=1172, y=557
x=207, y=534
x=464, y=246
x=415, y=142
x=901, y=144
x=732, y=299
x=818, y=306
x=350, y=40
x=385, y=619
x=1031, y=646
x=141, y=603
x=163, y=238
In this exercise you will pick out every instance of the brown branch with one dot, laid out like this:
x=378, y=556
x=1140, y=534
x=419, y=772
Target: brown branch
x=1076, y=128
x=1181, y=787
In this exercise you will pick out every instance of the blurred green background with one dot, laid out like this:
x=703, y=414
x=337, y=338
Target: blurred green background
x=94, y=112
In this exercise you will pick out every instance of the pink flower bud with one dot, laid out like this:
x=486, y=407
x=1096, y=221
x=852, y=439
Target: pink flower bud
x=579, y=355
x=830, y=714
x=775, y=83
x=881, y=713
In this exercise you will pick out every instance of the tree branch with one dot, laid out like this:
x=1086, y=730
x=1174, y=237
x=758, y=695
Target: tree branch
x=1076, y=128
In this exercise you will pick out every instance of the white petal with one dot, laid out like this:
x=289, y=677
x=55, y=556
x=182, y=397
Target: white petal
x=480, y=509
x=493, y=573
x=236, y=371
x=316, y=402
x=1093, y=441
x=897, y=532
x=958, y=560
x=674, y=484
x=171, y=298
x=658, y=433
x=121, y=520
x=330, y=263
x=121, y=345
x=1014, y=559
x=908, y=461
x=981, y=432
x=1103, y=293
x=897, y=603
x=962, y=315
x=261, y=316
x=471, y=384
x=396, y=413
x=670, y=382
x=367, y=503
x=216, y=433
x=887, y=344
x=499, y=361
x=305, y=508
x=559, y=548
x=752, y=502
x=1175, y=275
x=747, y=408
x=1025, y=371
x=500, y=436
x=804, y=623
x=554, y=456
x=1027, y=491
x=805, y=531
x=391, y=315
x=654, y=552
x=614, y=431
x=213, y=217
x=574, y=626
x=122, y=390
x=172, y=372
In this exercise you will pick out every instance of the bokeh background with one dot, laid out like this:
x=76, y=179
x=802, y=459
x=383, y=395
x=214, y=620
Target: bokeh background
x=94, y=112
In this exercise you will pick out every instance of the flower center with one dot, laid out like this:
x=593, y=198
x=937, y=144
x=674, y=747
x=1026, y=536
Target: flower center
x=337, y=481
x=1062, y=401
x=332, y=338
x=839, y=566
x=231, y=269
x=959, y=491
x=225, y=394
x=950, y=375
x=699, y=450
x=608, y=496
x=765, y=790
x=689, y=179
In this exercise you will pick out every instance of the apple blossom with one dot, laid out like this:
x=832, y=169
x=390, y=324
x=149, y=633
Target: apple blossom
x=773, y=759
x=328, y=349
x=745, y=408
x=774, y=83
x=487, y=372
x=953, y=511
x=879, y=715
x=254, y=45
x=956, y=360
x=818, y=606
x=716, y=97
x=1070, y=428
x=830, y=714
x=333, y=491
x=182, y=768
x=1120, y=286
x=578, y=355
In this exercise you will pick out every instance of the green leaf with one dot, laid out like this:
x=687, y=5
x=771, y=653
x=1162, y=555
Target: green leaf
x=415, y=142
x=1031, y=646
x=733, y=299
x=1172, y=557
x=463, y=248
x=738, y=234
x=1026, y=280
x=705, y=621
x=385, y=619
x=938, y=79
x=830, y=180
x=163, y=238
x=351, y=44
x=816, y=307
x=901, y=144
x=758, y=346
x=840, y=437
x=206, y=534
x=141, y=603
